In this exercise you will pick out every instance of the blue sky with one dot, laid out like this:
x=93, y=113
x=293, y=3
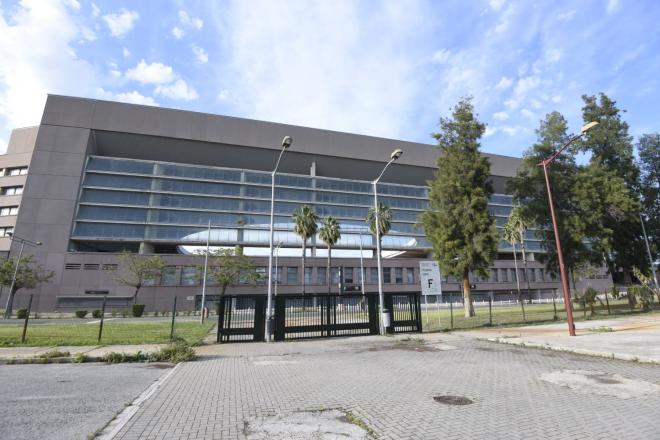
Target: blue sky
x=383, y=68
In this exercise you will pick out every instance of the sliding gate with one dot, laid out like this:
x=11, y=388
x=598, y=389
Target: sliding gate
x=242, y=317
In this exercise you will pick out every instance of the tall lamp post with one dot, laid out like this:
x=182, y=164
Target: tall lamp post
x=560, y=256
x=23, y=242
x=648, y=252
x=381, y=299
x=286, y=143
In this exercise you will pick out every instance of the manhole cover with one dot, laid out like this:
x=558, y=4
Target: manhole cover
x=453, y=400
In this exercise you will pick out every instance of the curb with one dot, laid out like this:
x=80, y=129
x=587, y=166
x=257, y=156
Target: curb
x=622, y=357
x=122, y=418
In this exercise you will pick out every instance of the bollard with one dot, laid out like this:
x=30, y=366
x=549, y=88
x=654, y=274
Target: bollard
x=554, y=306
x=27, y=318
x=490, y=311
x=102, y=318
x=173, y=315
x=451, y=311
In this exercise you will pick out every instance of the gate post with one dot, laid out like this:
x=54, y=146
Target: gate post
x=372, y=305
x=418, y=309
x=389, y=305
x=280, y=317
x=259, y=318
x=221, y=318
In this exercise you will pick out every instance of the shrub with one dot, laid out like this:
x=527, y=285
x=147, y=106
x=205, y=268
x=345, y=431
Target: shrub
x=21, y=313
x=642, y=294
x=115, y=358
x=97, y=314
x=113, y=313
x=138, y=310
x=156, y=313
x=81, y=313
x=54, y=354
x=177, y=351
x=124, y=314
x=79, y=358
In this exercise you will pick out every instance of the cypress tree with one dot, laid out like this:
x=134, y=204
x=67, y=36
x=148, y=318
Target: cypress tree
x=457, y=222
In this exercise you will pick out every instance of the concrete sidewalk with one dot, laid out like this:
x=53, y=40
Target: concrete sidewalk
x=634, y=338
x=92, y=352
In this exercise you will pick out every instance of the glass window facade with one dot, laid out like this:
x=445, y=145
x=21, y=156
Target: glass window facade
x=156, y=201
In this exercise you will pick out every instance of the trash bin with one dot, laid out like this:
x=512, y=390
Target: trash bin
x=385, y=319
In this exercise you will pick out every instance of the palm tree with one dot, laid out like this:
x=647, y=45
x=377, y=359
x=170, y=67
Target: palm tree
x=305, y=225
x=521, y=223
x=384, y=220
x=512, y=235
x=330, y=234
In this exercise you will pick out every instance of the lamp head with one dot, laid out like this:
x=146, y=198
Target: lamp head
x=10, y=234
x=588, y=126
x=396, y=154
x=286, y=142
x=38, y=243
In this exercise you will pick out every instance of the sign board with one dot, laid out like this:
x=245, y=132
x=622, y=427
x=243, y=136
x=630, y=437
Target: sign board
x=190, y=298
x=429, y=275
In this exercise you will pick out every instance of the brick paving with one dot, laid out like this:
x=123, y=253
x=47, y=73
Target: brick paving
x=390, y=384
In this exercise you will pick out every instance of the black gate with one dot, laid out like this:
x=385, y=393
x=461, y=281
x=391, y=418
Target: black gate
x=242, y=317
x=316, y=316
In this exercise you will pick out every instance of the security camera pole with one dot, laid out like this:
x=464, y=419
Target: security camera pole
x=286, y=143
x=381, y=299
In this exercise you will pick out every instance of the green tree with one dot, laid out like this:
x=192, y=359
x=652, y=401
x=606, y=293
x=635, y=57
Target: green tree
x=29, y=275
x=611, y=149
x=384, y=221
x=649, y=164
x=135, y=269
x=305, y=225
x=330, y=233
x=457, y=222
x=529, y=189
x=228, y=267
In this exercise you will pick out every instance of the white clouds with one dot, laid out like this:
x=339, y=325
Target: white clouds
x=95, y=10
x=153, y=73
x=122, y=22
x=132, y=97
x=612, y=6
x=223, y=95
x=200, y=54
x=441, y=56
x=567, y=15
x=125, y=52
x=359, y=79
x=496, y=5
x=526, y=84
x=527, y=113
x=189, y=20
x=178, y=32
x=37, y=58
x=178, y=90
x=501, y=116
x=553, y=55
x=504, y=83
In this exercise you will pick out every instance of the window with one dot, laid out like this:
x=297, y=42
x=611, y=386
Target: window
x=189, y=276
x=512, y=275
x=261, y=274
x=321, y=275
x=374, y=275
x=12, y=190
x=72, y=266
x=17, y=171
x=8, y=210
x=358, y=271
x=493, y=276
x=308, y=275
x=4, y=232
x=277, y=275
x=410, y=274
x=531, y=275
x=169, y=276
x=504, y=275
x=90, y=266
x=292, y=275
x=387, y=275
x=541, y=275
x=334, y=275
x=348, y=275
x=398, y=275
x=109, y=266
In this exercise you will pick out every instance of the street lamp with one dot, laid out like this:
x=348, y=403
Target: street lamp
x=381, y=300
x=286, y=143
x=648, y=252
x=277, y=254
x=560, y=256
x=23, y=242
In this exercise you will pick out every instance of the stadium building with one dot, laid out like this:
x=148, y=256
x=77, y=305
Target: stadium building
x=96, y=178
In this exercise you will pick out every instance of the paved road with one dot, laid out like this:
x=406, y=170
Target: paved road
x=67, y=401
x=390, y=384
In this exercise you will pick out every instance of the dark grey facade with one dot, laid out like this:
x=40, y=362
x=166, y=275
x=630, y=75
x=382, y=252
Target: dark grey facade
x=104, y=177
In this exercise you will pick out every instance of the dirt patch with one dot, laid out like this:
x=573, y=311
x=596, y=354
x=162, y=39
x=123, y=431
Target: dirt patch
x=601, y=383
x=307, y=425
x=160, y=365
x=453, y=400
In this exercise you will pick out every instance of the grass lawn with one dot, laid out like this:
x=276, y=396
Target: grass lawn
x=512, y=315
x=114, y=333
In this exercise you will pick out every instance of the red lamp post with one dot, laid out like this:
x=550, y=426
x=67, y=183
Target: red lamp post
x=560, y=256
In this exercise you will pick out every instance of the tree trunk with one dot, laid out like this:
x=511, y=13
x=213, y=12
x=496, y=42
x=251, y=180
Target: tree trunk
x=515, y=263
x=304, y=255
x=135, y=295
x=529, y=294
x=329, y=268
x=467, y=297
x=10, y=303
